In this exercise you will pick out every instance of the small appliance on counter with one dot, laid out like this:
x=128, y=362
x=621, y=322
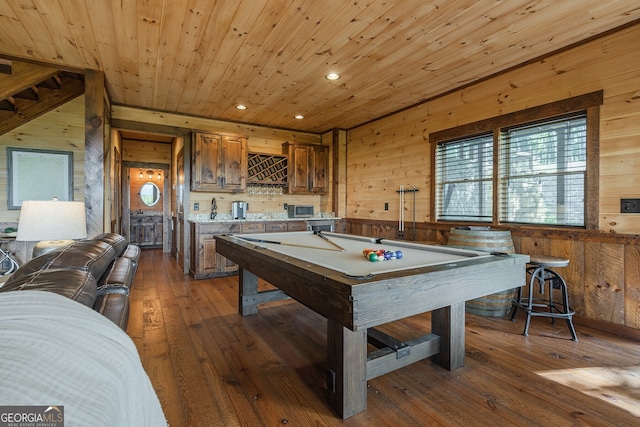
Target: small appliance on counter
x=239, y=210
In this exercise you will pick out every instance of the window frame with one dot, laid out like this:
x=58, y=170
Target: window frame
x=590, y=103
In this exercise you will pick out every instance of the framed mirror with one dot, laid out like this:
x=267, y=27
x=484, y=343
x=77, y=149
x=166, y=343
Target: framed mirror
x=150, y=194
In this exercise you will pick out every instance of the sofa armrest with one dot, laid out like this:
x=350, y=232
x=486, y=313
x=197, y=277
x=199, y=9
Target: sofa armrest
x=115, y=307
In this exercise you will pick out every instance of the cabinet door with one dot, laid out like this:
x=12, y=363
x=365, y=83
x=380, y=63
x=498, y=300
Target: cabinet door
x=136, y=234
x=299, y=169
x=206, y=162
x=234, y=174
x=308, y=168
x=209, y=257
x=319, y=169
x=149, y=233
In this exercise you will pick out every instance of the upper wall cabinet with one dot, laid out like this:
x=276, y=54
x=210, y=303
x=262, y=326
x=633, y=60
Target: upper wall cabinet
x=308, y=168
x=219, y=162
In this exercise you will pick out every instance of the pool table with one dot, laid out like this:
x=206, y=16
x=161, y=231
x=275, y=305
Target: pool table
x=328, y=273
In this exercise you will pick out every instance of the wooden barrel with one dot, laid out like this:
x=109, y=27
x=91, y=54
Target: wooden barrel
x=486, y=240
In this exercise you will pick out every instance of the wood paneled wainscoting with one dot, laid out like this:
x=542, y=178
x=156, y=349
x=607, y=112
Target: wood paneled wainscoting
x=603, y=275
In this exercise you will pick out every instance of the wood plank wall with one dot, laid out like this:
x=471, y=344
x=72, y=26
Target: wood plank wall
x=605, y=264
x=394, y=151
x=61, y=129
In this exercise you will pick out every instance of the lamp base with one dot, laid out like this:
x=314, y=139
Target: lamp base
x=45, y=246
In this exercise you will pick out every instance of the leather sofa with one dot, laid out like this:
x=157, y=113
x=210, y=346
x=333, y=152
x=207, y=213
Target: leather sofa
x=95, y=272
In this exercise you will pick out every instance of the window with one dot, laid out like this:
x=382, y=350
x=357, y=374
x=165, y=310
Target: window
x=537, y=167
x=465, y=179
x=543, y=172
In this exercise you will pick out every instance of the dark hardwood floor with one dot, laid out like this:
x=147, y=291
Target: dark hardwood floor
x=212, y=367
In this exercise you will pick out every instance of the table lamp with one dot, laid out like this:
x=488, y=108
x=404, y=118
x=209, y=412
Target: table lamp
x=51, y=223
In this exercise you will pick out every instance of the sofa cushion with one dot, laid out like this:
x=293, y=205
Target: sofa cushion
x=91, y=255
x=78, y=285
x=119, y=278
x=118, y=242
x=133, y=253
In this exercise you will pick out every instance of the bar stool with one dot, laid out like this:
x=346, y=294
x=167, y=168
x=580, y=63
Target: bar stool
x=540, y=271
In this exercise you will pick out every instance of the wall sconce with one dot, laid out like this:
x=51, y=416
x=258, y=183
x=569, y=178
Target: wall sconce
x=140, y=175
x=159, y=175
x=150, y=174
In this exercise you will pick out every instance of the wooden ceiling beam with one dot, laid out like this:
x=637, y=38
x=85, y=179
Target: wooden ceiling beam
x=24, y=75
x=8, y=104
x=5, y=66
x=48, y=100
x=51, y=83
x=30, y=93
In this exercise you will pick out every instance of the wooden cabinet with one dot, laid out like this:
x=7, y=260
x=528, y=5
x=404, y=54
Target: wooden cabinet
x=219, y=162
x=146, y=230
x=308, y=171
x=205, y=261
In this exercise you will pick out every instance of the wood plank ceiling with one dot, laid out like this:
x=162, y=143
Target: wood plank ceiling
x=202, y=57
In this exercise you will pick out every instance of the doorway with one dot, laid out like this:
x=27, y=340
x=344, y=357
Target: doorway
x=146, y=206
x=146, y=188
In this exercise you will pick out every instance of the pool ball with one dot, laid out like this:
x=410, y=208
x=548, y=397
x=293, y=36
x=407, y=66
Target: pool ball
x=372, y=256
x=398, y=254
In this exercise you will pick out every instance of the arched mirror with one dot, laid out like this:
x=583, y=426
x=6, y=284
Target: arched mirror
x=150, y=194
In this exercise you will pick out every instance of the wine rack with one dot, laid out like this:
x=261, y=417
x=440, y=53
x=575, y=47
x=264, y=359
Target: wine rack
x=267, y=169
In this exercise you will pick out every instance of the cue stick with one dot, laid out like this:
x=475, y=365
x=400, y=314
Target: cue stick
x=317, y=233
x=275, y=242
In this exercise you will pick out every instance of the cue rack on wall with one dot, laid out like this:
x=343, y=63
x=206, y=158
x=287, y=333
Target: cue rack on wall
x=412, y=189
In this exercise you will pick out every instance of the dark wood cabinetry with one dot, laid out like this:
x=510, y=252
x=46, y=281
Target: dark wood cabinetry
x=308, y=171
x=219, y=162
x=207, y=263
x=146, y=230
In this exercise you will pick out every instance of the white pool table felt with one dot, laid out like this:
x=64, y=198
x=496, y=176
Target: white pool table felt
x=352, y=262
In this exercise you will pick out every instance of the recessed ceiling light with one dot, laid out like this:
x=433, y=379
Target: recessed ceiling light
x=241, y=107
x=332, y=76
x=298, y=117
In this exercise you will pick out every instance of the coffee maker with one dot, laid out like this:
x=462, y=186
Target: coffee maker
x=239, y=210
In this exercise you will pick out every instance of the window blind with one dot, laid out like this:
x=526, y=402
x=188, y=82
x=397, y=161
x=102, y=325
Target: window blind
x=542, y=172
x=464, y=179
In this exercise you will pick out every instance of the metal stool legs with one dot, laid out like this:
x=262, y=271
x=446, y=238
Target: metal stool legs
x=542, y=275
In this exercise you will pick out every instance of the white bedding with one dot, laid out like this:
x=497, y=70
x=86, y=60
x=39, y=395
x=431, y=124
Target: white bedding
x=54, y=351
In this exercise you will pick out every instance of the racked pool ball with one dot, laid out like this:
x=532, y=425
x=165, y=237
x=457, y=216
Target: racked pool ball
x=398, y=254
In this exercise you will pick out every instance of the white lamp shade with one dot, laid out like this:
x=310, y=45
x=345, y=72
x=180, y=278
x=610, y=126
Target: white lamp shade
x=51, y=220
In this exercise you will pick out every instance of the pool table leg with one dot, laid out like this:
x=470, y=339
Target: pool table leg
x=248, y=286
x=448, y=323
x=346, y=369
